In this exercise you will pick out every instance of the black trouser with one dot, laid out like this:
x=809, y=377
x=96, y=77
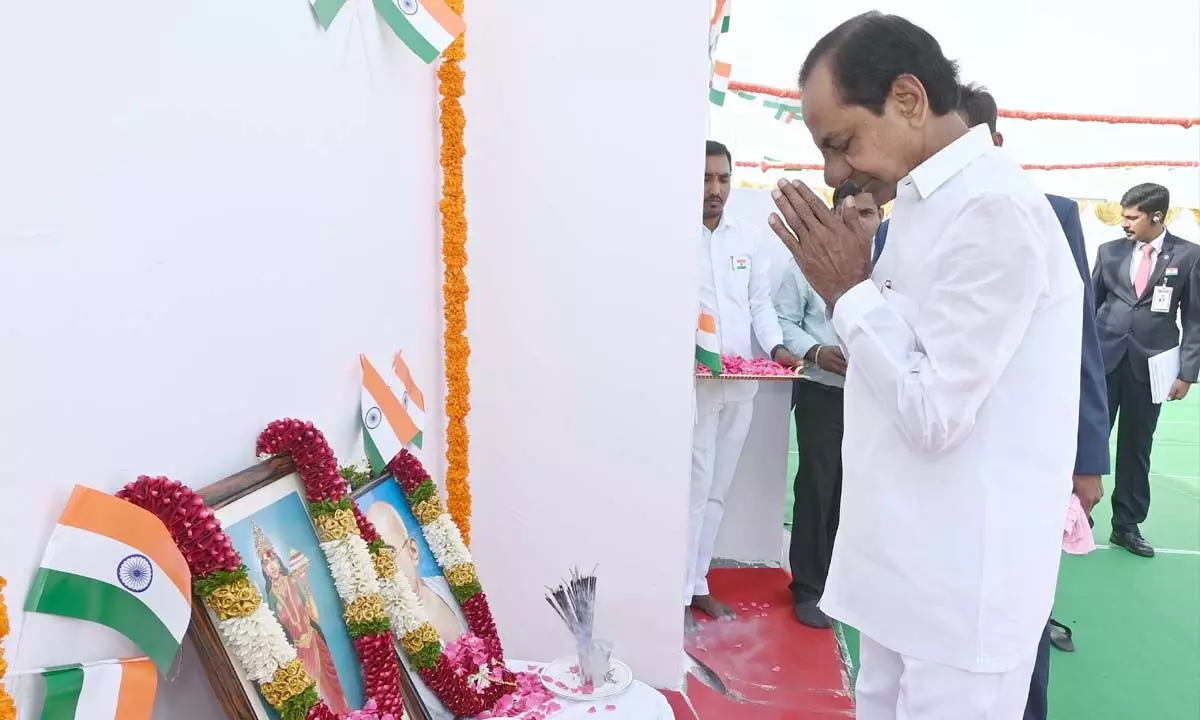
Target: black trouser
x=1135, y=437
x=818, y=486
x=1038, y=706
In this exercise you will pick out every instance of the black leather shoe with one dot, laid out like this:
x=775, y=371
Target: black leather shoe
x=809, y=614
x=1060, y=637
x=1132, y=541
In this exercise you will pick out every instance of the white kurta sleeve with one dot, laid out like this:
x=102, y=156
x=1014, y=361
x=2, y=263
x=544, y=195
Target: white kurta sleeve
x=762, y=308
x=934, y=363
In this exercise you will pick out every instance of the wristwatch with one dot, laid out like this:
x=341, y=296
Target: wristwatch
x=776, y=349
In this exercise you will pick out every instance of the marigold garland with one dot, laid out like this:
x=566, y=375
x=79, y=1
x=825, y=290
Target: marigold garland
x=455, y=289
x=8, y=709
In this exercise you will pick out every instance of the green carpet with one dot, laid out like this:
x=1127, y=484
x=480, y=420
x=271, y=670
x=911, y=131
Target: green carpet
x=1136, y=622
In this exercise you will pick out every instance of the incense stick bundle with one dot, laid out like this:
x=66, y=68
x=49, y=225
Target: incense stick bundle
x=575, y=602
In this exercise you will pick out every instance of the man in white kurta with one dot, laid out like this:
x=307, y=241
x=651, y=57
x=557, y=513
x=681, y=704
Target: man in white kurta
x=963, y=386
x=735, y=289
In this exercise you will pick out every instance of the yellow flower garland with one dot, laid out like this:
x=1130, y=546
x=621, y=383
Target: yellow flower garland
x=8, y=710
x=454, y=288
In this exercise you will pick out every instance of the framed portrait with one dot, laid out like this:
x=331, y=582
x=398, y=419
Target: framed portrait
x=384, y=504
x=264, y=513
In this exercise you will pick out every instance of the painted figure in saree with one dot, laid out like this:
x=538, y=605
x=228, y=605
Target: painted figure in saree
x=289, y=597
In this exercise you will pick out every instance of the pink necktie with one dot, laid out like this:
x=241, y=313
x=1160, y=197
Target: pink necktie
x=1143, y=271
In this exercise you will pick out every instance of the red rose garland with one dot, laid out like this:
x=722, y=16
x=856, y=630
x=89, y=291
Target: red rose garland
x=446, y=678
x=210, y=555
x=318, y=470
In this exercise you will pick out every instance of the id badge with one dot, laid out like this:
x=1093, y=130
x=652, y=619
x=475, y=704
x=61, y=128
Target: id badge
x=1161, y=302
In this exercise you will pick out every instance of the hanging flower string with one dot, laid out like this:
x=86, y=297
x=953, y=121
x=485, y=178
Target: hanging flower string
x=8, y=710
x=455, y=290
x=1184, y=122
x=346, y=538
x=469, y=675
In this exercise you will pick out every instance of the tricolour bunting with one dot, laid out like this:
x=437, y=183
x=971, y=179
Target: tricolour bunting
x=720, y=83
x=119, y=690
x=113, y=563
x=427, y=27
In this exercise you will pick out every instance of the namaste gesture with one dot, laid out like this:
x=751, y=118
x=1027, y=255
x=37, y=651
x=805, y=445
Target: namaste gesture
x=833, y=252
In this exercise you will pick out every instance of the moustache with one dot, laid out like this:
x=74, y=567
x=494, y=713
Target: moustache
x=713, y=197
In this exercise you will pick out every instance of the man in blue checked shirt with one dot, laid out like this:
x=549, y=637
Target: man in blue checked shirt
x=817, y=402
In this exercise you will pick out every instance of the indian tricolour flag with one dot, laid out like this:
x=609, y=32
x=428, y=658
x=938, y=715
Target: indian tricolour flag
x=720, y=83
x=122, y=690
x=708, y=347
x=113, y=563
x=719, y=25
x=414, y=399
x=427, y=27
x=387, y=425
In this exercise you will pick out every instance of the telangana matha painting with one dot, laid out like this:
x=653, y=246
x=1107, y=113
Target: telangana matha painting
x=285, y=562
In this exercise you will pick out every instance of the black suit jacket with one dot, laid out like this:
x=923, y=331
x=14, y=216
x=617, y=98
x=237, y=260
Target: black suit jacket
x=1127, y=326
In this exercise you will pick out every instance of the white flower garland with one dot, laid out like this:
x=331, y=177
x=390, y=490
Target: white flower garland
x=446, y=543
x=351, y=567
x=403, y=606
x=258, y=642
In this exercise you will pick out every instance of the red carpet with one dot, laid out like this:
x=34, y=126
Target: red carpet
x=773, y=667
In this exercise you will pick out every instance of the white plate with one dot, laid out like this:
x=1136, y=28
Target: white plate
x=562, y=678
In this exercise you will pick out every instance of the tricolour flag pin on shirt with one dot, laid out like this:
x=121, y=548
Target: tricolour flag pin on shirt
x=111, y=562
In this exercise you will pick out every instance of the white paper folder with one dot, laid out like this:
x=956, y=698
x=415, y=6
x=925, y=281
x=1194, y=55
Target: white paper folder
x=1164, y=370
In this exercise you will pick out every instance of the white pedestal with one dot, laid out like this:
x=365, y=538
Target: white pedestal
x=752, y=530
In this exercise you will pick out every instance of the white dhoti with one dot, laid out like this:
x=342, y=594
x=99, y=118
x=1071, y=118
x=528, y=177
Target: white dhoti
x=891, y=686
x=724, y=409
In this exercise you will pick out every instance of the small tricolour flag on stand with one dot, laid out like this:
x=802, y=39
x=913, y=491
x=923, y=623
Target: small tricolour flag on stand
x=427, y=27
x=110, y=562
x=118, y=690
x=708, y=347
x=388, y=426
x=720, y=83
x=326, y=11
x=414, y=399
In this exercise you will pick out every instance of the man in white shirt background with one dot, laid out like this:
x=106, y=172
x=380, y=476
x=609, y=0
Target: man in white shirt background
x=962, y=391
x=735, y=289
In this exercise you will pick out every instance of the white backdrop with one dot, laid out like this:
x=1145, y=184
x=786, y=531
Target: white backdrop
x=583, y=312
x=205, y=214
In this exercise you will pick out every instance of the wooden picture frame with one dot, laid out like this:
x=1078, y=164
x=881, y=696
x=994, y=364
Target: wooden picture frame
x=232, y=691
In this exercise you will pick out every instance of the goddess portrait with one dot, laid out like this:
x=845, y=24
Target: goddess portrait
x=287, y=593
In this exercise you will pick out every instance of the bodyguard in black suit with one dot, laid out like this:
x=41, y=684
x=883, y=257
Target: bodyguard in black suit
x=1143, y=283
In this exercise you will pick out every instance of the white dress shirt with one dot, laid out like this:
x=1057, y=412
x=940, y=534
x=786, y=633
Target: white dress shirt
x=735, y=286
x=1136, y=261
x=961, y=409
